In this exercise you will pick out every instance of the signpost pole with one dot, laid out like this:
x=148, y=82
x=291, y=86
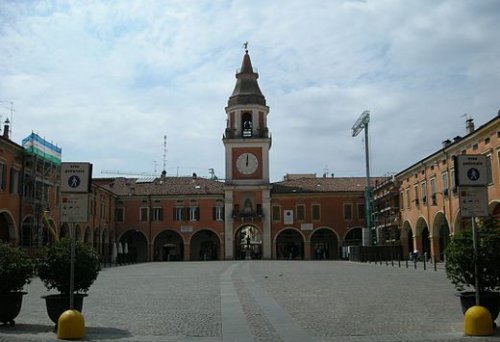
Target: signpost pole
x=72, y=269
x=474, y=245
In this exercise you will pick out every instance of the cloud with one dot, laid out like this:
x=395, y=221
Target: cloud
x=107, y=80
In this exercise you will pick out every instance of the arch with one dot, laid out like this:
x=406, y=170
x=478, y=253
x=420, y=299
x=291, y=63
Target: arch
x=168, y=246
x=205, y=245
x=441, y=231
x=407, y=240
x=289, y=244
x=494, y=209
x=96, y=237
x=248, y=242
x=7, y=227
x=324, y=244
x=353, y=236
x=28, y=232
x=64, y=231
x=87, y=237
x=137, y=245
x=78, y=233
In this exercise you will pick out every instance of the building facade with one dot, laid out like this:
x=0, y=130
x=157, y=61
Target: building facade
x=429, y=201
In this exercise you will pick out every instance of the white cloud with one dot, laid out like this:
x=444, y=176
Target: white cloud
x=107, y=80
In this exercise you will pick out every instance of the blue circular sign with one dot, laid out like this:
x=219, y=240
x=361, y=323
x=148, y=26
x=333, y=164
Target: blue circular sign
x=74, y=181
x=473, y=174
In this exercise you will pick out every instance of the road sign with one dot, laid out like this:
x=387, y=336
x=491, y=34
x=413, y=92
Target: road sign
x=74, y=207
x=471, y=170
x=76, y=177
x=473, y=201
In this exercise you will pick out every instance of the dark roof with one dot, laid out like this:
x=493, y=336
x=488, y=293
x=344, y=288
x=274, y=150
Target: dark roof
x=318, y=185
x=246, y=90
x=163, y=186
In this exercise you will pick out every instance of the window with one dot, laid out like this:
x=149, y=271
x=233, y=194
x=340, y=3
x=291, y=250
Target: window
x=433, y=191
x=316, y=211
x=453, y=184
x=276, y=213
x=401, y=201
x=178, y=214
x=444, y=181
x=361, y=211
x=14, y=181
x=488, y=169
x=300, y=212
x=119, y=214
x=218, y=214
x=415, y=192
x=144, y=214
x=157, y=214
x=408, y=202
x=424, y=192
x=194, y=213
x=3, y=176
x=347, y=211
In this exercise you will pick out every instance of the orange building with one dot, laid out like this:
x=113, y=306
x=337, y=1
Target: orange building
x=429, y=203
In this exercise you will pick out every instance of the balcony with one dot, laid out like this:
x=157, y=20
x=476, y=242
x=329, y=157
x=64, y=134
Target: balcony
x=247, y=215
x=245, y=133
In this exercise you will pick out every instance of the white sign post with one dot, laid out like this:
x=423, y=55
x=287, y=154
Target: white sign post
x=75, y=185
x=471, y=176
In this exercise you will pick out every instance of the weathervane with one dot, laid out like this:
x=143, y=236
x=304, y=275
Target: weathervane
x=245, y=46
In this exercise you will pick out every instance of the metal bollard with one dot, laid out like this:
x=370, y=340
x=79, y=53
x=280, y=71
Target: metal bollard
x=435, y=265
x=425, y=262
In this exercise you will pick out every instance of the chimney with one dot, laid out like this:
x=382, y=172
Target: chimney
x=469, y=125
x=446, y=142
x=6, y=128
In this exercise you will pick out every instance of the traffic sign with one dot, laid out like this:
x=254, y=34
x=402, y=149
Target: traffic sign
x=471, y=170
x=473, y=201
x=74, y=207
x=76, y=177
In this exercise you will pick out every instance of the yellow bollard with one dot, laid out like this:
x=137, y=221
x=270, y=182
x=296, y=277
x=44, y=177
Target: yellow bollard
x=478, y=321
x=70, y=325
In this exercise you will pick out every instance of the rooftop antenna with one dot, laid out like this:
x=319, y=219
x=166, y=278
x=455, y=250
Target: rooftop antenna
x=12, y=110
x=165, y=153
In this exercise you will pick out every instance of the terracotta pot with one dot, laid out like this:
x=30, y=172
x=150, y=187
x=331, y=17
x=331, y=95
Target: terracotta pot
x=11, y=306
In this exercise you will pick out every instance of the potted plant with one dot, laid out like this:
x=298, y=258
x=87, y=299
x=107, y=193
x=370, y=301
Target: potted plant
x=16, y=269
x=54, y=270
x=460, y=265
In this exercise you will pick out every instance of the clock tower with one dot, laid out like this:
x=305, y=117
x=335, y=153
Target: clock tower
x=247, y=190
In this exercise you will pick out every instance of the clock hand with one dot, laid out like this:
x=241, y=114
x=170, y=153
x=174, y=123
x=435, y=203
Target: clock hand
x=247, y=160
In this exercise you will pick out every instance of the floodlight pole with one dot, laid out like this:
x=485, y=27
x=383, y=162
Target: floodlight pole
x=359, y=125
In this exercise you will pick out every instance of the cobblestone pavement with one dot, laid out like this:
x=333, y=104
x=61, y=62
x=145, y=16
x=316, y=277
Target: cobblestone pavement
x=258, y=301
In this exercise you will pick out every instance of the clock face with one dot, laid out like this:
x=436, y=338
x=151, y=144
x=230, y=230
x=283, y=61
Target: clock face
x=247, y=163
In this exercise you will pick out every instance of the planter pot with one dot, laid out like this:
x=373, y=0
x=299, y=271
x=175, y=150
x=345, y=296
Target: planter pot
x=11, y=306
x=490, y=300
x=57, y=304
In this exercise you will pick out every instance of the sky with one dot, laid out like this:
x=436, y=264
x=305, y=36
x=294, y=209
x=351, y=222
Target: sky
x=107, y=80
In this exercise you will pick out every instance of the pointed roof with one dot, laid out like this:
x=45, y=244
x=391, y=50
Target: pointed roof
x=246, y=90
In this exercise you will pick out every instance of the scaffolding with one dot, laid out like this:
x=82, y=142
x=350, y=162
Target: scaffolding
x=40, y=194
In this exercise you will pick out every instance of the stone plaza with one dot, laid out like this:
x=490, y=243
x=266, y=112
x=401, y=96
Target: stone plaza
x=258, y=301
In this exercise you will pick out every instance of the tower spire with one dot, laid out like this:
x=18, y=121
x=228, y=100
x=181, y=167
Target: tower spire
x=246, y=91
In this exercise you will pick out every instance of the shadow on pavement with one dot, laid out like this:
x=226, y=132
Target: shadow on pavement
x=92, y=333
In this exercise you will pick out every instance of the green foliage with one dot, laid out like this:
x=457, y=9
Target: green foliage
x=16, y=268
x=55, y=263
x=460, y=257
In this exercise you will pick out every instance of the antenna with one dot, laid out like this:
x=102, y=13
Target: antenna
x=164, y=153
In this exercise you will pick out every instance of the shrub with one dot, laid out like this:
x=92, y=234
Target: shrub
x=55, y=263
x=16, y=268
x=460, y=257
